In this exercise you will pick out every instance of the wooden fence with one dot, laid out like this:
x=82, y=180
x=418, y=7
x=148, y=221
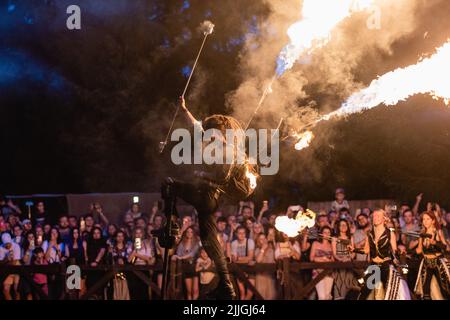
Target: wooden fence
x=286, y=270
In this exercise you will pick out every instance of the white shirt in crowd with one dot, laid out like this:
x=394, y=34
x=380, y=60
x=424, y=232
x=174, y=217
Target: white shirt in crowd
x=241, y=249
x=15, y=249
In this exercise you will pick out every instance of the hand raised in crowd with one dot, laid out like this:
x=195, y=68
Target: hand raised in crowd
x=265, y=207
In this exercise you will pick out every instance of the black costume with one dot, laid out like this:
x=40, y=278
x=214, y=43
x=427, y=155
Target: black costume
x=394, y=285
x=437, y=267
x=204, y=193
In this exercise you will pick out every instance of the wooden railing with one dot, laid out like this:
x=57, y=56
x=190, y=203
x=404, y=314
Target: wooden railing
x=286, y=268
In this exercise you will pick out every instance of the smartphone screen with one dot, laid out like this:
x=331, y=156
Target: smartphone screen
x=137, y=243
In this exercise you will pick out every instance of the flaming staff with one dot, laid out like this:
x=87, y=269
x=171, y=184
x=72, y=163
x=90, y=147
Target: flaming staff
x=292, y=227
x=207, y=27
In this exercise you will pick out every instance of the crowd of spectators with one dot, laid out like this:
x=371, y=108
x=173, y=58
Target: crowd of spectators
x=248, y=236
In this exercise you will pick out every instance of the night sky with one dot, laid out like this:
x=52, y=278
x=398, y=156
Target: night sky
x=84, y=110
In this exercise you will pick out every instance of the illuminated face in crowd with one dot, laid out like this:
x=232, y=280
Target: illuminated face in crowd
x=18, y=231
x=187, y=221
x=158, y=221
x=262, y=240
x=332, y=215
x=343, y=228
x=408, y=216
x=272, y=219
x=73, y=222
x=63, y=222
x=427, y=221
x=241, y=234
x=89, y=221
x=140, y=223
x=231, y=220
x=322, y=221
x=135, y=208
x=362, y=221
x=340, y=196
x=127, y=218
x=138, y=233
x=203, y=254
x=189, y=233
x=97, y=234
x=30, y=237
x=39, y=232
x=378, y=217
x=326, y=233
x=54, y=234
x=40, y=207
x=221, y=225
x=120, y=238
x=247, y=212
x=404, y=208
x=112, y=229
x=257, y=228
x=249, y=224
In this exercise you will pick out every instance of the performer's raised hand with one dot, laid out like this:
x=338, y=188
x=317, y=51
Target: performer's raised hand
x=183, y=103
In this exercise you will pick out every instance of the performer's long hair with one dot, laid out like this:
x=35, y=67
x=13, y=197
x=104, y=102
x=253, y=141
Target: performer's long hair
x=222, y=123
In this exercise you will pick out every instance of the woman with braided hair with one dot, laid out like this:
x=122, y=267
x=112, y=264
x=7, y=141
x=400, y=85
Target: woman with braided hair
x=208, y=186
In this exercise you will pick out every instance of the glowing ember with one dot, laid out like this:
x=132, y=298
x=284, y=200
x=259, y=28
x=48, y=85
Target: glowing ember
x=292, y=227
x=319, y=18
x=252, y=179
x=305, y=140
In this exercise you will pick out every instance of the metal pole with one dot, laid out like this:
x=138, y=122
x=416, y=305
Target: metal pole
x=163, y=144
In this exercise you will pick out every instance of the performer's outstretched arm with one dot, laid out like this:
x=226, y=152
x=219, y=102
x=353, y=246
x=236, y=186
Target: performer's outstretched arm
x=191, y=119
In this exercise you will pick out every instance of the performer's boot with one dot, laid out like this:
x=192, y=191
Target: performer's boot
x=225, y=289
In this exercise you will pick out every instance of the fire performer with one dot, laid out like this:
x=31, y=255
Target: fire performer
x=433, y=265
x=381, y=246
x=207, y=187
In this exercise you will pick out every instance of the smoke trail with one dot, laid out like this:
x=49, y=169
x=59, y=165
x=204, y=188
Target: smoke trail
x=340, y=41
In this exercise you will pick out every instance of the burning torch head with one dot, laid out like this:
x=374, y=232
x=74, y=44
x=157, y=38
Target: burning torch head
x=207, y=27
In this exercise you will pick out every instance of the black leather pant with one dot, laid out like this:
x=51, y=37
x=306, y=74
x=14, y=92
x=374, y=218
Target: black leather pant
x=431, y=267
x=205, y=200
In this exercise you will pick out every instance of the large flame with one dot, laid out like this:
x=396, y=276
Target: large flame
x=429, y=76
x=252, y=178
x=304, y=140
x=292, y=227
x=319, y=18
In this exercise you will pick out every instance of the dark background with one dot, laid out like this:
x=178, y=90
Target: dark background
x=84, y=111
